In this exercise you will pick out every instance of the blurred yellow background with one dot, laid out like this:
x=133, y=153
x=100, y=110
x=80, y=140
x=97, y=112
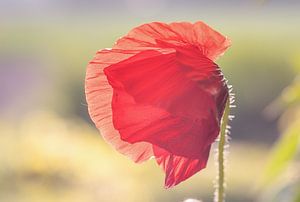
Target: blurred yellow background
x=50, y=150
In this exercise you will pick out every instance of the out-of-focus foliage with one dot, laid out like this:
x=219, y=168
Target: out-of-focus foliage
x=284, y=153
x=284, y=192
x=49, y=158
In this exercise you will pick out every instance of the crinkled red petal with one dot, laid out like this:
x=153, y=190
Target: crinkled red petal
x=211, y=43
x=99, y=96
x=155, y=101
x=179, y=168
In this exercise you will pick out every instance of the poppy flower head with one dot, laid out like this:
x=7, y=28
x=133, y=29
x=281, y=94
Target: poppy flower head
x=158, y=93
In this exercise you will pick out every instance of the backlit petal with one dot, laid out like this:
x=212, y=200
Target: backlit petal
x=99, y=95
x=154, y=101
x=210, y=42
x=178, y=168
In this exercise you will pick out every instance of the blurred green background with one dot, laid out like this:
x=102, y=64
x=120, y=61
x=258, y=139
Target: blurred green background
x=50, y=150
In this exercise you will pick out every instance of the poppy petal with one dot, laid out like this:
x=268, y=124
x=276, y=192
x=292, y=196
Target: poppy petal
x=210, y=42
x=179, y=168
x=99, y=95
x=166, y=108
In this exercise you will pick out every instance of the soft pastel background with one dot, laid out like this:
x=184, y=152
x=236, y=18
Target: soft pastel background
x=50, y=150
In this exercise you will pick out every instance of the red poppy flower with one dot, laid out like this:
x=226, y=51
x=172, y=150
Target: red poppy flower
x=158, y=93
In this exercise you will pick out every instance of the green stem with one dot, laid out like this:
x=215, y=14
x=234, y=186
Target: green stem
x=221, y=176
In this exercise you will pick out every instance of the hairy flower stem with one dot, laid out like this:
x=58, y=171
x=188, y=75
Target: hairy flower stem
x=220, y=192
